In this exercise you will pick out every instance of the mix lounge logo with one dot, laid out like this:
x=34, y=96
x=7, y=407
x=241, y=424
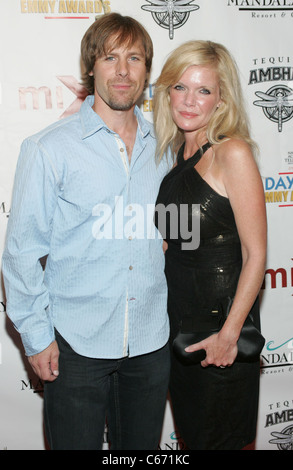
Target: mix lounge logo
x=278, y=278
x=45, y=94
x=170, y=14
x=32, y=97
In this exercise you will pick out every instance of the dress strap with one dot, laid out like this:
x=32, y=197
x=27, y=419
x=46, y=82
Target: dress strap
x=192, y=161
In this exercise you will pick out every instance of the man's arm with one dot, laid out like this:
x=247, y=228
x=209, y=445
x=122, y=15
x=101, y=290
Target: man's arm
x=28, y=237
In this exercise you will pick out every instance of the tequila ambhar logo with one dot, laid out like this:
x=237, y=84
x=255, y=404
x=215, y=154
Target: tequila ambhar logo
x=277, y=104
x=284, y=439
x=170, y=14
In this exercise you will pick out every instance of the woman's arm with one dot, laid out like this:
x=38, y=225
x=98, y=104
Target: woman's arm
x=238, y=178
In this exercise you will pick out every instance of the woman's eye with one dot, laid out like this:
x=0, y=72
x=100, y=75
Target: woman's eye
x=205, y=91
x=178, y=87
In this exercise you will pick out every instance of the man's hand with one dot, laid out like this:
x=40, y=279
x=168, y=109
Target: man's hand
x=45, y=364
x=165, y=246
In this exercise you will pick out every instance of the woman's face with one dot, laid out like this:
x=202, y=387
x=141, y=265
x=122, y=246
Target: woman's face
x=194, y=98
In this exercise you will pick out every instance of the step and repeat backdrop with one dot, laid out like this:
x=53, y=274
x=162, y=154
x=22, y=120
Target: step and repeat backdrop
x=40, y=75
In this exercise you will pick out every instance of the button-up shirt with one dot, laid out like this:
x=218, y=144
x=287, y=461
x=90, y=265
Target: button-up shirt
x=87, y=212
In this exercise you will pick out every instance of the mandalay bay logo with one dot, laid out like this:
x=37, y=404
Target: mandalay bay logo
x=261, y=5
x=170, y=14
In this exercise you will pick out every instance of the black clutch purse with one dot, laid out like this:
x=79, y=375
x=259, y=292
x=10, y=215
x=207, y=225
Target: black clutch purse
x=196, y=328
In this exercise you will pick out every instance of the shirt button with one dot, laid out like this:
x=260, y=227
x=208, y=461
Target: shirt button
x=130, y=237
x=131, y=268
x=122, y=149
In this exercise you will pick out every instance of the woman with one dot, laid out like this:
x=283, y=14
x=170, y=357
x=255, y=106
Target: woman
x=199, y=113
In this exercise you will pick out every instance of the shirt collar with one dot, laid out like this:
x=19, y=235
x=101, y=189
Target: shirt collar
x=91, y=122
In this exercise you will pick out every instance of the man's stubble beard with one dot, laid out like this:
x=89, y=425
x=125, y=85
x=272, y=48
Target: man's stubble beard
x=122, y=103
x=116, y=106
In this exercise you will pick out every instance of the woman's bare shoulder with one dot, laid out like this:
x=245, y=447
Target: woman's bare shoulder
x=233, y=152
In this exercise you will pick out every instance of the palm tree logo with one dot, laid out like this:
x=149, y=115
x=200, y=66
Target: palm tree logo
x=277, y=104
x=170, y=14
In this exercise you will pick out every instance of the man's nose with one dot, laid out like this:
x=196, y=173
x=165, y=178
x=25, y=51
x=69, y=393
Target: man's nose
x=122, y=67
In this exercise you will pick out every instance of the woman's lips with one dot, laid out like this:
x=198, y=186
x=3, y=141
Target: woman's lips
x=187, y=114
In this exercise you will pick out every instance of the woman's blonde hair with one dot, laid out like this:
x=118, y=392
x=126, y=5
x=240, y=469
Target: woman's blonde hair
x=229, y=120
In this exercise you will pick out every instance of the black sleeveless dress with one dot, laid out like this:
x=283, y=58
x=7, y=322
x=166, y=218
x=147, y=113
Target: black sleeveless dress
x=214, y=408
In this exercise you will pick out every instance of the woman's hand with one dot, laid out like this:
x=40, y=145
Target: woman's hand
x=221, y=350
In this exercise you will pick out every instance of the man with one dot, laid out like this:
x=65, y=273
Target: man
x=95, y=325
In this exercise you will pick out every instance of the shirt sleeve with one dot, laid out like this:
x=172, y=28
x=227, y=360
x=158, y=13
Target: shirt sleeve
x=34, y=200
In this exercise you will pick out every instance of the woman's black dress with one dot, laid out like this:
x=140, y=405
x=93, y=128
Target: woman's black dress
x=214, y=408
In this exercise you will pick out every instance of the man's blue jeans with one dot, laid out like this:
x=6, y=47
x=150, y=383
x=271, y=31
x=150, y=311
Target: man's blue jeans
x=130, y=393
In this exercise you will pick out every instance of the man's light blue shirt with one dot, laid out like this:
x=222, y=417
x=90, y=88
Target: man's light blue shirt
x=79, y=203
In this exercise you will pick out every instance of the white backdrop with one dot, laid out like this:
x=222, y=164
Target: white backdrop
x=39, y=83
